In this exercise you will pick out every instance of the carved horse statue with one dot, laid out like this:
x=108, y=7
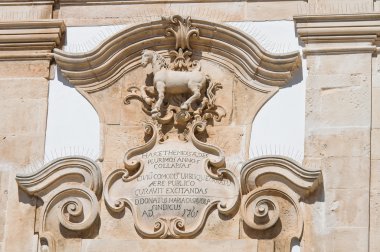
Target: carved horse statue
x=172, y=82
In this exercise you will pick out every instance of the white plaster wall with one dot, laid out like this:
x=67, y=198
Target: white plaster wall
x=280, y=125
x=72, y=123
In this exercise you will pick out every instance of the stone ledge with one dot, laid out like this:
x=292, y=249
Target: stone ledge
x=339, y=34
x=30, y=39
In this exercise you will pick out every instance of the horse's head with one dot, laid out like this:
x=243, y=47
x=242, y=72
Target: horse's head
x=146, y=58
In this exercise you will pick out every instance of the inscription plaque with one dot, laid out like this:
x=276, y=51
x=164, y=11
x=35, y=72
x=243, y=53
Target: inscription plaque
x=172, y=186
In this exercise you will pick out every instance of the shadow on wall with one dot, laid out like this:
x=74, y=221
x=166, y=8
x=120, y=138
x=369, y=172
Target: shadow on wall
x=297, y=77
x=62, y=79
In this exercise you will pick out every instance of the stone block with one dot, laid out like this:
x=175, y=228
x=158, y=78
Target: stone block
x=75, y=15
x=323, y=106
x=263, y=10
x=4, y=180
x=376, y=107
x=183, y=245
x=23, y=88
x=26, y=12
x=321, y=81
x=109, y=100
x=374, y=227
x=348, y=239
x=355, y=101
x=375, y=143
x=346, y=173
x=374, y=244
x=343, y=142
x=22, y=69
x=17, y=151
x=19, y=221
x=375, y=174
x=119, y=139
x=376, y=72
x=23, y=116
x=349, y=64
x=347, y=208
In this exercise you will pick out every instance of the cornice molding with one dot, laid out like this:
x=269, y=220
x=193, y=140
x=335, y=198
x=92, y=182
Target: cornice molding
x=335, y=34
x=219, y=43
x=26, y=2
x=30, y=39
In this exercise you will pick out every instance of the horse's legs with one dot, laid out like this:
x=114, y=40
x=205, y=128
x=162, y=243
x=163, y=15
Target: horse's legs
x=160, y=86
x=196, y=95
x=146, y=98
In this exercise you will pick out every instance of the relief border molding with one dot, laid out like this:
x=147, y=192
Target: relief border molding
x=219, y=43
x=70, y=188
x=339, y=34
x=175, y=226
x=267, y=182
x=30, y=40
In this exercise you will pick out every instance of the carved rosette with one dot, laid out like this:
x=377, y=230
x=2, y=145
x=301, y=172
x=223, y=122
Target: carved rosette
x=170, y=199
x=69, y=188
x=273, y=188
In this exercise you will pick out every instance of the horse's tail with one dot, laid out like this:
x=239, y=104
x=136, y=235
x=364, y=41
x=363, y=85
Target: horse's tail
x=211, y=90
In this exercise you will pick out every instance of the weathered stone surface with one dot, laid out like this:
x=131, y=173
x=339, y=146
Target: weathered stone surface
x=334, y=143
x=339, y=118
x=341, y=239
x=336, y=178
x=20, y=69
x=165, y=245
x=201, y=101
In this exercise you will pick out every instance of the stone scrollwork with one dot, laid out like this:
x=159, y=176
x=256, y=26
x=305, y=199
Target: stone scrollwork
x=175, y=202
x=69, y=188
x=273, y=188
x=186, y=208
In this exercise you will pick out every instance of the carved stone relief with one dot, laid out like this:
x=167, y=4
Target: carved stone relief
x=172, y=182
x=195, y=86
x=171, y=186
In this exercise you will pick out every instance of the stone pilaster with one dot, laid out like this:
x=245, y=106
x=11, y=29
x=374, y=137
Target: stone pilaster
x=25, y=57
x=339, y=51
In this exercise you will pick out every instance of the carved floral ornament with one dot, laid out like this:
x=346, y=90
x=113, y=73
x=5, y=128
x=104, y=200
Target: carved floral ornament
x=173, y=181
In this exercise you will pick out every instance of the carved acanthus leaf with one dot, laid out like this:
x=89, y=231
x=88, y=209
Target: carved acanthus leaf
x=182, y=30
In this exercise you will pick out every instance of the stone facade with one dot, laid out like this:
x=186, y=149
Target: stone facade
x=176, y=86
